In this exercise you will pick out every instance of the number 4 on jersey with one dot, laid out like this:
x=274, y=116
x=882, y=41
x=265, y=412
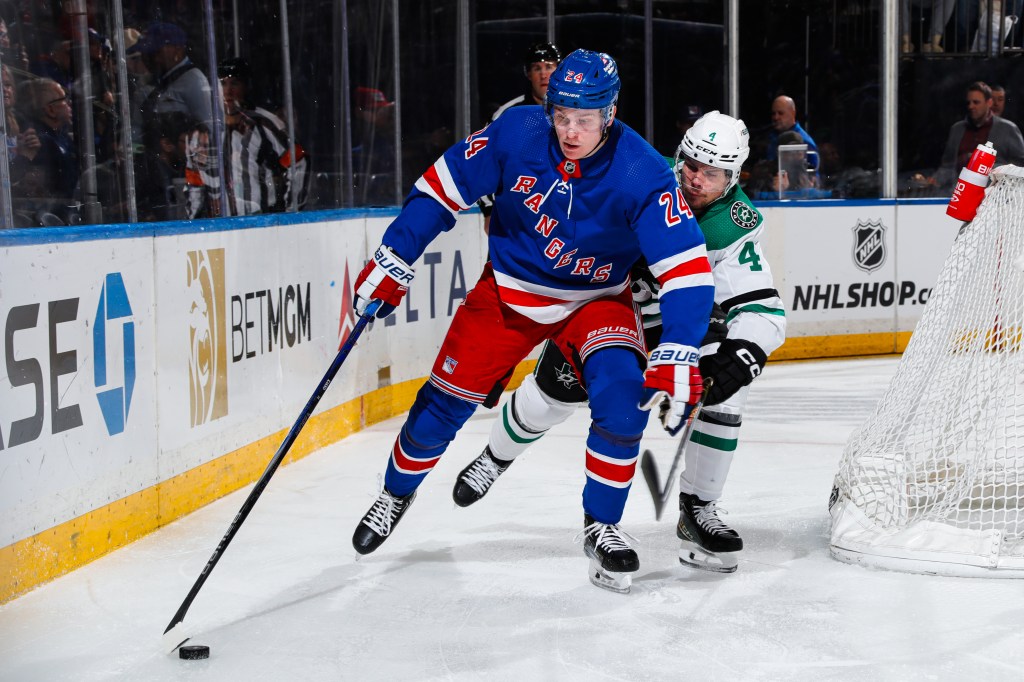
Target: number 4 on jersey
x=749, y=255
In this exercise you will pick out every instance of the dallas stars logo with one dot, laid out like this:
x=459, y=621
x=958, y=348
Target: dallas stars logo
x=743, y=215
x=565, y=375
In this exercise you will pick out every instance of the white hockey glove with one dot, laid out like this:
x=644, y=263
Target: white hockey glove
x=732, y=366
x=673, y=375
x=386, y=278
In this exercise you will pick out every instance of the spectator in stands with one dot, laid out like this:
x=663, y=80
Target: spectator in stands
x=784, y=120
x=52, y=172
x=58, y=66
x=24, y=143
x=258, y=168
x=998, y=100
x=539, y=62
x=688, y=115
x=940, y=11
x=159, y=173
x=980, y=125
x=12, y=53
x=978, y=30
x=373, y=147
x=179, y=84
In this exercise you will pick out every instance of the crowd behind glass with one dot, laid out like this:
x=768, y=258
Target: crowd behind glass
x=154, y=111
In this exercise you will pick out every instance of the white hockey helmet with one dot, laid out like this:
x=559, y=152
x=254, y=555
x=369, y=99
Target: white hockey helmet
x=718, y=140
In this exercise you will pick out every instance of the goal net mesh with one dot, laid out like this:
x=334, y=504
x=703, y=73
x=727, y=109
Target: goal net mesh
x=933, y=481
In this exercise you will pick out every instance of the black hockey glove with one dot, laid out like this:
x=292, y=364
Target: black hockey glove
x=732, y=366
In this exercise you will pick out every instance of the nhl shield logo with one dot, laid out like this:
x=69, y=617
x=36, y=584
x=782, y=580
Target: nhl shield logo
x=869, y=245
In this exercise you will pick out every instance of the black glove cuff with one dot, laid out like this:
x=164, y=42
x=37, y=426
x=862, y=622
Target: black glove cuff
x=733, y=345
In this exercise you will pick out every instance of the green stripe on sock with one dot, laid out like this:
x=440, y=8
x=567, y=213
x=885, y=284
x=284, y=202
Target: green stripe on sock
x=723, y=444
x=512, y=434
x=755, y=308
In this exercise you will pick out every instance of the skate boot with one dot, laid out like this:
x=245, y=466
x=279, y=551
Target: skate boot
x=476, y=479
x=612, y=560
x=382, y=518
x=708, y=543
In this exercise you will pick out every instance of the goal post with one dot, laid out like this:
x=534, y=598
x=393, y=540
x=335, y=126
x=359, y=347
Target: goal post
x=933, y=481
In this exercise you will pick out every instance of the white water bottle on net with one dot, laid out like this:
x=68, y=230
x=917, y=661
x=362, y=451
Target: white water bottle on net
x=933, y=482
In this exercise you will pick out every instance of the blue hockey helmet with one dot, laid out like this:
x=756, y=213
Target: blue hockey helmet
x=584, y=80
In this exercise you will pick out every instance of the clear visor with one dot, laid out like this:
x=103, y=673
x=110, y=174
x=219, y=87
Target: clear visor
x=579, y=120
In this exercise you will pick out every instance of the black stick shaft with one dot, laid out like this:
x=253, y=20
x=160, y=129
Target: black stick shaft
x=275, y=462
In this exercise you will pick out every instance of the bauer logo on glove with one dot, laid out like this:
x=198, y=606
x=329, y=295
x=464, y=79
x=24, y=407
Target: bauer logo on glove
x=672, y=374
x=386, y=278
x=674, y=354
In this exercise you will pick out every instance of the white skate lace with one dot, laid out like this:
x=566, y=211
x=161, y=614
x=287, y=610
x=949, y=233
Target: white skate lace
x=482, y=474
x=383, y=513
x=607, y=535
x=707, y=518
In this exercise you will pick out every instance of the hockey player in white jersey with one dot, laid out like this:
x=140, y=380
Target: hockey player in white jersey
x=748, y=323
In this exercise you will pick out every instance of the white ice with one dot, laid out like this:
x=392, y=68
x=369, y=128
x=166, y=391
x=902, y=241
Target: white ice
x=499, y=591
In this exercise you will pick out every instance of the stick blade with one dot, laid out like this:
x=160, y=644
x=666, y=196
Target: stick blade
x=649, y=467
x=174, y=638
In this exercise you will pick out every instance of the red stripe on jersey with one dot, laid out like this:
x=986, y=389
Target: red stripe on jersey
x=620, y=473
x=406, y=463
x=193, y=178
x=525, y=298
x=696, y=266
x=286, y=158
x=435, y=184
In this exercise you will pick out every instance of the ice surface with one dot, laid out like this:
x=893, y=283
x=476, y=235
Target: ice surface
x=499, y=590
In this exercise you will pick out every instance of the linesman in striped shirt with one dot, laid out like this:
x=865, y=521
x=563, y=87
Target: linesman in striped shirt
x=259, y=172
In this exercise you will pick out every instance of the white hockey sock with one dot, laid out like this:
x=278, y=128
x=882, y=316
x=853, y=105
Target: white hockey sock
x=524, y=418
x=709, y=455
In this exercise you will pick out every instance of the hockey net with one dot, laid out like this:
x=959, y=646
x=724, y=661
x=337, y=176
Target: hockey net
x=933, y=481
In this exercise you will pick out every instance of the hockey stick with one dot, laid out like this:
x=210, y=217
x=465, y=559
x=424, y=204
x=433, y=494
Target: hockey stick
x=649, y=466
x=174, y=635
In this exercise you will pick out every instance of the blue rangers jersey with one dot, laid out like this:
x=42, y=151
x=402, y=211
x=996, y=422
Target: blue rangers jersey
x=565, y=232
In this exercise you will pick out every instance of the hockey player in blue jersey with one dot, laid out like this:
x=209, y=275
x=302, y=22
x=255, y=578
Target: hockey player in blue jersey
x=580, y=198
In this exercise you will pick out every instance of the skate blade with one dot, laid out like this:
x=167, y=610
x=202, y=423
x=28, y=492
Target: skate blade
x=696, y=557
x=612, y=581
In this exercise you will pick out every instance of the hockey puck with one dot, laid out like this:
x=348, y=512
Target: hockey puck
x=194, y=652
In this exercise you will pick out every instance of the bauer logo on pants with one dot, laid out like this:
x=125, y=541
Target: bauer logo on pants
x=207, y=362
x=869, y=245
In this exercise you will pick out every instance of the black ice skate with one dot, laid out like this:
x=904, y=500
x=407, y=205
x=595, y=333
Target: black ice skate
x=611, y=558
x=477, y=478
x=708, y=543
x=382, y=518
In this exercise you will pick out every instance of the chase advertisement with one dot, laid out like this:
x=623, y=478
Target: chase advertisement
x=77, y=403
